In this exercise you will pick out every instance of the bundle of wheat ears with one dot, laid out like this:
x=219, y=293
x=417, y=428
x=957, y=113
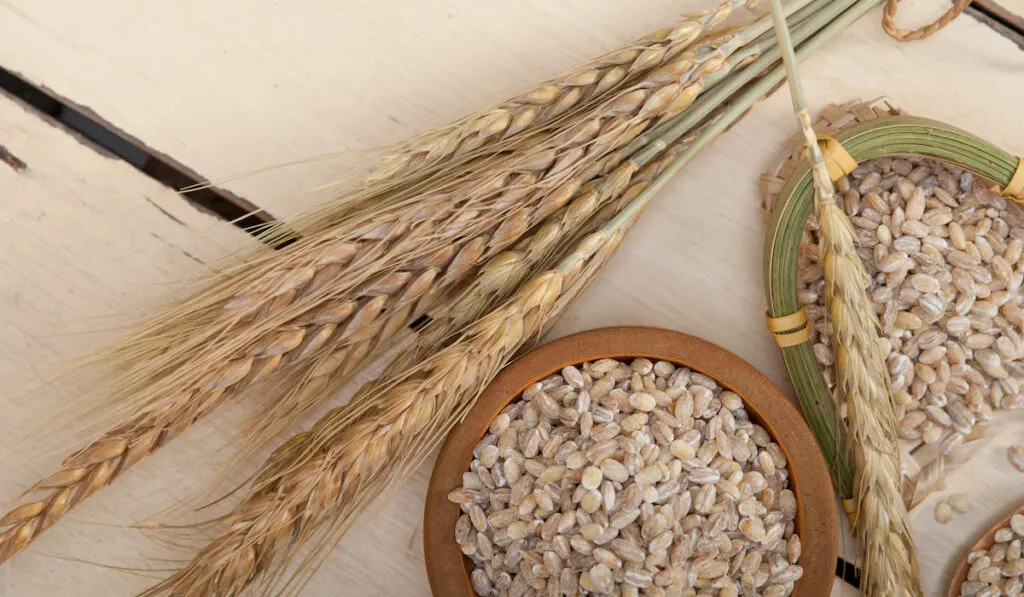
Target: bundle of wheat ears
x=491, y=226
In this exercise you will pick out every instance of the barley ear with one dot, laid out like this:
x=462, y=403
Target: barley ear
x=321, y=480
x=332, y=296
x=880, y=517
x=532, y=110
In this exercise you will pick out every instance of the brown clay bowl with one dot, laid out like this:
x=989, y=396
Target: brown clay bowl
x=816, y=521
x=987, y=540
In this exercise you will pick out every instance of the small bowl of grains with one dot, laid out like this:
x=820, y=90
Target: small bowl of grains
x=630, y=462
x=994, y=565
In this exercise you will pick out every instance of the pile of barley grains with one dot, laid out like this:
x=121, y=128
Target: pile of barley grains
x=998, y=570
x=628, y=479
x=944, y=254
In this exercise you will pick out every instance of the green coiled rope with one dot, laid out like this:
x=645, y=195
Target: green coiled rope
x=882, y=137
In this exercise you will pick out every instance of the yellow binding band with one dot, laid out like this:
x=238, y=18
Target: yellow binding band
x=786, y=322
x=850, y=508
x=789, y=330
x=793, y=338
x=838, y=161
x=1015, y=190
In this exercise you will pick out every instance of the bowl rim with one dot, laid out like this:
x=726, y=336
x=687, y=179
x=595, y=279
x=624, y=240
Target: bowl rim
x=817, y=517
x=986, y=541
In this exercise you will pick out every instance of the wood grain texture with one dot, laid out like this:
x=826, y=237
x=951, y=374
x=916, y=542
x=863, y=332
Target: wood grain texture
x=227, y=87
x=233, y=86
x=88, y=246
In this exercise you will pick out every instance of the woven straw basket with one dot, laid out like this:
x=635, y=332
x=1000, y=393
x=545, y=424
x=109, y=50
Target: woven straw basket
x=849, y=134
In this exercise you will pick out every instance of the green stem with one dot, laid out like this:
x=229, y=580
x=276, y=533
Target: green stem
x=763, y=24
x=732, y=113
x=819, y=410
x=823, y=184
x=769, y=40
x=788, y=57
x=727, y=83
x=738, y=42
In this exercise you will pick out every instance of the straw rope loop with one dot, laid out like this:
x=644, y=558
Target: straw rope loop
x=889, y=21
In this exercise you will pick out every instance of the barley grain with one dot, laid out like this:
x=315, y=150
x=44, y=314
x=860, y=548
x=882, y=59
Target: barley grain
x=960, y=502
x=625, y=484
x=1015, y=454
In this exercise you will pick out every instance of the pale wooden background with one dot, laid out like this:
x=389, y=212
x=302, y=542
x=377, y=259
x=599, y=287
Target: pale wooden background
x=225, y=87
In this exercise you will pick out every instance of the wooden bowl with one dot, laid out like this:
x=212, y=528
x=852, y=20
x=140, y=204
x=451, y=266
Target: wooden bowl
x=987, y=540
x=816, y=521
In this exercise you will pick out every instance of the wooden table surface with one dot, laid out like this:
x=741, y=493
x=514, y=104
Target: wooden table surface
x=90, y=244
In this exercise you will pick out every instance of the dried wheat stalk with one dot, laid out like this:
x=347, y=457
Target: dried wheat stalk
x=502, y=274
x=528, y=111
x=353, y=454
x=925, y=466
x=502, y=202
x=343, y=292
x=495, y=281
x=336, y=336
x=499, y=278
x=353, y=241
x=317, y=482
x=890, y=559
x=597, y=202
x=353, y=327
x=558, y=166
x=492, y=130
